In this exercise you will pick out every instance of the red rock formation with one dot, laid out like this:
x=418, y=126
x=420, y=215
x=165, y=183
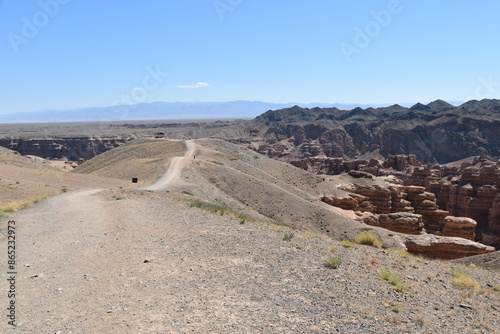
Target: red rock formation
x=403, y=222
x=440, y=194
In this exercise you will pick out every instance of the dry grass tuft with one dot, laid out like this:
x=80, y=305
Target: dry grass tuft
x=386, y=275
x=7, y=208
x=368, y=238
x=462, y=281
x=332, y=262
x=347, y=243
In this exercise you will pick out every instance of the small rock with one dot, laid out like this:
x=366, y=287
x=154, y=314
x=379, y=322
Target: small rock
x=146, y=261
x=465, y=306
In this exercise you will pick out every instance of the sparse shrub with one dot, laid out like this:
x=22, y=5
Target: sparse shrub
x=242, y=221
x=7, y=208
x=154, y=161
x=496, y=287
x=64, y=189
x=368, y=238
x=332, y=262
x=333, y=249
x=386, y=275
x=393, y=319
x=462, y=281
x=287, y=236
x=420, y=259
x=4, y=215
x=403, y=253
x=347, y=243
x=396, y=308
x=208, y=206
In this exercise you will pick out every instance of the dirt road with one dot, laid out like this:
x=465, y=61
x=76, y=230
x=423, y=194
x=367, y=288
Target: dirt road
x=88, y=263
x=132, y=261
x=174, y=170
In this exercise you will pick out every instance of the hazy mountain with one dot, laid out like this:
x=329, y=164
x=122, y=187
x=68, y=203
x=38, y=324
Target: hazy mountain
x=163, y=110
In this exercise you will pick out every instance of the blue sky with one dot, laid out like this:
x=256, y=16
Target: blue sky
x=63, y=54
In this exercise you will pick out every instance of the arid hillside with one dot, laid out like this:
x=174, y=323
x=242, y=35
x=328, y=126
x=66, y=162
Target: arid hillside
x=255, y=186
x=23, y=179
x=144, y=159
x=239, y=243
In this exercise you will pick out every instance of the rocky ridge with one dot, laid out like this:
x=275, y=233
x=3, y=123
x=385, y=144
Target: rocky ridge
x=436, y=132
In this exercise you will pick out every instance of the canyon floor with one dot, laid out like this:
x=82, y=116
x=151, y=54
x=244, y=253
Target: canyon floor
x=106, y=255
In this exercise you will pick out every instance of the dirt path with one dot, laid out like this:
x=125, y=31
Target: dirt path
x=89, y=263
x=174, y=170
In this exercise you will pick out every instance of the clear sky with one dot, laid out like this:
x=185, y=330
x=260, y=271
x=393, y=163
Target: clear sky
x=63, y=54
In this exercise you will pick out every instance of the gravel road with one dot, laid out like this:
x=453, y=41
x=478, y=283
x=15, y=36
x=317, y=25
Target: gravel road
x=174, y=169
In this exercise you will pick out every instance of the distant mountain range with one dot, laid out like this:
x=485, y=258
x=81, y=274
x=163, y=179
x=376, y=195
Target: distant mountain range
x=166, y=111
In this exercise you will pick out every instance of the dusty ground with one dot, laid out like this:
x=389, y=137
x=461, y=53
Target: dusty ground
x=22, y=178
x=89, y=263
x=124, y=260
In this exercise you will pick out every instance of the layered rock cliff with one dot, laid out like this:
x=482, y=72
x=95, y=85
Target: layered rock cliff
x=458, y=200
x=70, y=148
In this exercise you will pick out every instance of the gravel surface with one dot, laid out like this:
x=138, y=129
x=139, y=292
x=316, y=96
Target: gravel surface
x=89, y=263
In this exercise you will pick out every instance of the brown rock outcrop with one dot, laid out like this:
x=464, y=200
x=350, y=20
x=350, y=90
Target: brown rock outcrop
x=402, y=222
x=458, y=227
x=433, y=246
